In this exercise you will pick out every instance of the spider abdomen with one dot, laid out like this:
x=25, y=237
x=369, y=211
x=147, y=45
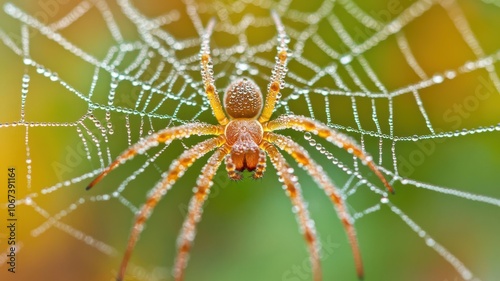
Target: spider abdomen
x=243, y=99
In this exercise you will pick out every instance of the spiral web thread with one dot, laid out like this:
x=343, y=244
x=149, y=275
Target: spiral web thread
x=159, y=66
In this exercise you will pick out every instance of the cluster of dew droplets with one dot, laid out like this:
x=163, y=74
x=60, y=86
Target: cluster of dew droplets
x=345, y=168
x=28, y=160
x=312, y=142
x=280, y=68
x=24, y=94
x=84, y=141
x=242, y=67
x=103, y=133
x=111, y=97
x=207, y=72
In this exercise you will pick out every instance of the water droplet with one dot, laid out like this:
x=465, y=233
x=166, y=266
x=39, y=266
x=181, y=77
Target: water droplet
x=414, y=138
x=469, y=66
x=54, y=77
x=242, y=66
x=312, y=142
x=450, y=74
x=27, y=61
x=346, y=59
x=177, y=46
x=240, y=49
x=394, y=26
x=430, y=242
x=437, y=78
x=384, y=200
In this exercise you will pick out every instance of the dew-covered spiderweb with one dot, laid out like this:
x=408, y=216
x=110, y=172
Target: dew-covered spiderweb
x=414, y=82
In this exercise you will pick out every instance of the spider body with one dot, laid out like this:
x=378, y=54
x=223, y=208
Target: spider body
x=243, y=103
x=243, y=139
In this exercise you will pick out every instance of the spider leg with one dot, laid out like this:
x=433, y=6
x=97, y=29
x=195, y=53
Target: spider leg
x=188, y=231
x=176, y=170
x=231, y=169
x=261, y=166
x=207, y=75
x=302, y=123
x=321, y=178
x=165, y=136
x=279, y=71
x=293, y=190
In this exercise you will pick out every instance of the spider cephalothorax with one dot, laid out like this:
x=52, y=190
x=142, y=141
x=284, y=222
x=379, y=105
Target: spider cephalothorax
x=243, y=140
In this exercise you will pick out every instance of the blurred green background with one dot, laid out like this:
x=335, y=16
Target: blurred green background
x=248, y=231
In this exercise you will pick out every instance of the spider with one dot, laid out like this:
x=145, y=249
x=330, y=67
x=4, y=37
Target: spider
x=243, y=139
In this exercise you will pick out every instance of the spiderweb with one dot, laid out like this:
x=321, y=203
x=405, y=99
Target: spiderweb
x=415, y=82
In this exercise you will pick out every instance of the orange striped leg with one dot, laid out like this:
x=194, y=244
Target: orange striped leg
x=231, y=169
x=261, y=166
x=321, y=178
x=188, y=231
x=302, y=123
x=278, y=73
x=176, y=170
x=162, y=136
x=293, y=190
x=208, y=78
